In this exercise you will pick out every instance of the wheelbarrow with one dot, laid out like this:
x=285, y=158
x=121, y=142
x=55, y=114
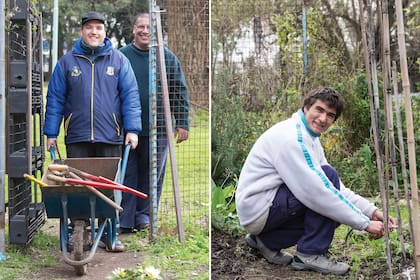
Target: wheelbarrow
x=82, y=207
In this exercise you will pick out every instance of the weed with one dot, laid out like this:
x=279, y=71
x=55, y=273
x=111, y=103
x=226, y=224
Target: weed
x=223, y=210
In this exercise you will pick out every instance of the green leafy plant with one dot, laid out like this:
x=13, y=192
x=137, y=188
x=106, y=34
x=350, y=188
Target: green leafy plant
x=223, y=209
x=358, y=171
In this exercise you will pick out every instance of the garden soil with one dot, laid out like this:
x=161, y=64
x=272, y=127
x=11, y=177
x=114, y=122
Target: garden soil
x=231, y=258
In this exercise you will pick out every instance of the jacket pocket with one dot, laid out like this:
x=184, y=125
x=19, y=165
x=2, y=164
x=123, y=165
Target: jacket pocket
x=117, y=125
x=67, y=123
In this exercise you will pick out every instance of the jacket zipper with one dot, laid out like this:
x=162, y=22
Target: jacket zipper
x=92, y=136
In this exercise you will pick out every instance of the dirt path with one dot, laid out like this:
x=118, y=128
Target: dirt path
x=100, y=267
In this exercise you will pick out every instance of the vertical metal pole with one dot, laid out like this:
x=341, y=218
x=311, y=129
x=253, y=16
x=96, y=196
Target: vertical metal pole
x=54, y=49
x=153, y=120
x=29, y=127
x=2, y=130
x=305, y=40
x=169, y=128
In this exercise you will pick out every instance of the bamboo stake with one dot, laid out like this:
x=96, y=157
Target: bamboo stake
x=373, y=67
x=401, y=147
x=386, y=68
x=403, y=166
x=410, y=134
x=379, y=162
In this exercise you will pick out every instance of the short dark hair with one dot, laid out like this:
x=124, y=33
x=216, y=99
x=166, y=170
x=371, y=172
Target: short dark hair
x=140, y=15
x=327, y=94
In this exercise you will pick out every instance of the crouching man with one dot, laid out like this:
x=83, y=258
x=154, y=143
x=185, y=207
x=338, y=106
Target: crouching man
x=289, y=195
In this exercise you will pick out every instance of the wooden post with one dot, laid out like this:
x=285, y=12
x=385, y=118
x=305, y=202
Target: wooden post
x=410, y=134
x=401, y=146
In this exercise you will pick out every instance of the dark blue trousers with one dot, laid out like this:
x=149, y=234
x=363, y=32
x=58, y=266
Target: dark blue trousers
x=137, y=176
x=290, y=223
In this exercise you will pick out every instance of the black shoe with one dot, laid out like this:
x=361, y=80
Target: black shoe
x=123, y=230
x=141, y=227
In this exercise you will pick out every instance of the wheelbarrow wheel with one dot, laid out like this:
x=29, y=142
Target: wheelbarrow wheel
x=78, y=236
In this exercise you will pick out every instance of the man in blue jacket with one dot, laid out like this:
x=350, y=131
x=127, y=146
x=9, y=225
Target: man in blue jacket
x=136, y=210
x=94, y=89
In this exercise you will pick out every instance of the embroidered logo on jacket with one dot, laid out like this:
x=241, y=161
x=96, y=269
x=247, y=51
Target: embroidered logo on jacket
x=76, y=71
x=110, y=71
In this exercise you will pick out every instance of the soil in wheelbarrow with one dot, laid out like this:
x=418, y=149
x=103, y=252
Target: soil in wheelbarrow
x=101, y=266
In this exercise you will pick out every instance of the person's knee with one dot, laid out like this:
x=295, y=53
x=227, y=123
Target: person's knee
x=332, y=175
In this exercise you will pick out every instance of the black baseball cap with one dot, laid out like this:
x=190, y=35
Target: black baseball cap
x=92, y=16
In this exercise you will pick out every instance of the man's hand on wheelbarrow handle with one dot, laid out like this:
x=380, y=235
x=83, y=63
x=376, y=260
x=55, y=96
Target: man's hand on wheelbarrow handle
x=96, y=184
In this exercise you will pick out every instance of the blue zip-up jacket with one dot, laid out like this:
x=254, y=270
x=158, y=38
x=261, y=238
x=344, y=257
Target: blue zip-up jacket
x=95, y=91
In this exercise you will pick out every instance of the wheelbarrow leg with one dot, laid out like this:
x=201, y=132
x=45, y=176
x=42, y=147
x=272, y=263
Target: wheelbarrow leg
x=92, y=203
x=64, y=227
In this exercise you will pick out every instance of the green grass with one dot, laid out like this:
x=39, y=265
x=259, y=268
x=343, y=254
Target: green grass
x=25, y=259
x=176, y=260
x=192, y=159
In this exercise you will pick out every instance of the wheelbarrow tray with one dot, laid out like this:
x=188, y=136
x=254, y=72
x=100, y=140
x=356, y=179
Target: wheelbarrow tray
x=80, y=201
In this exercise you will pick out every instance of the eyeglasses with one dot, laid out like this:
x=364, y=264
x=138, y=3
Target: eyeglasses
x=143, y=27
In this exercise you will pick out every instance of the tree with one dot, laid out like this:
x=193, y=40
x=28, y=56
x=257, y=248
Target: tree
x=119, y=15
x=188, y=38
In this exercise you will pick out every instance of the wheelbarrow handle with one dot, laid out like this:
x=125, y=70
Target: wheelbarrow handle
x=124, y=161
x=52, y=152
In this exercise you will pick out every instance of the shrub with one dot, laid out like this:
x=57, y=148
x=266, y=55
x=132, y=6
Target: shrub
x=359, y=173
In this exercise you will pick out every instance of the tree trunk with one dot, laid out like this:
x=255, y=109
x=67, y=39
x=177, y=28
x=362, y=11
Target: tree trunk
x=188, y=38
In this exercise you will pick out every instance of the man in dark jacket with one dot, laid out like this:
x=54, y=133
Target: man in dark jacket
x=136, y=210
x=94, y=89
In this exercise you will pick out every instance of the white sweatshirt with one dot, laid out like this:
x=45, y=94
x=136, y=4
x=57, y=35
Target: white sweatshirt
x=290, y=153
